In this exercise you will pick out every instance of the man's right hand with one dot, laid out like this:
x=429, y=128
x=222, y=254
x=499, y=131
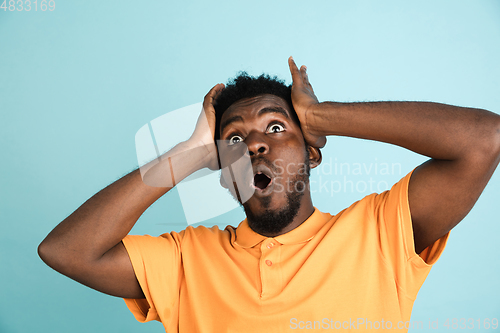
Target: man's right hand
x=204, y=132
x=87, y=245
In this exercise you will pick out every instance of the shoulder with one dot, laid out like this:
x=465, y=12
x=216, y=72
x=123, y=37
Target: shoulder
x=376, y=208
x=205, y=235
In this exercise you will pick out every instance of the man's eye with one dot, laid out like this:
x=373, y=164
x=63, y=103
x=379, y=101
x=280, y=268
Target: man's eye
x=235, y=139
x=276, y=128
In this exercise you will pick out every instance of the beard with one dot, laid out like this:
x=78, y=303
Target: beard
x=273, y=221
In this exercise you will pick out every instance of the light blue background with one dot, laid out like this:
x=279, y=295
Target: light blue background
x=77, y=83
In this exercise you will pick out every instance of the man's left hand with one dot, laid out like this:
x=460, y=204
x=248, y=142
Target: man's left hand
x=304, y=101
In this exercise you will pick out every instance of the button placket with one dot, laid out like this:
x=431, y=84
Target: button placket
x=270, y=274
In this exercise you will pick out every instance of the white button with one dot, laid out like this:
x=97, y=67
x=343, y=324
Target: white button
x=270, y=245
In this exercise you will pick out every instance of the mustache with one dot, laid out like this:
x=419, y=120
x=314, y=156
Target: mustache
x=266, y=162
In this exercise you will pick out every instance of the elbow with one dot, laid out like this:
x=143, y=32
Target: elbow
x=53, y=256
x=483, y=151
x=60, y=257
x=497, y=137
x=41, y=251
x=494, y=146
x=45, y=253
x=486, y=143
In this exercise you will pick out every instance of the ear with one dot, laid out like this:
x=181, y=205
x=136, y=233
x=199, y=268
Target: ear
x=315, y=157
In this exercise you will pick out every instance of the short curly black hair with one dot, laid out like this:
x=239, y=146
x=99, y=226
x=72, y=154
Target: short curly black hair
x=247, y=86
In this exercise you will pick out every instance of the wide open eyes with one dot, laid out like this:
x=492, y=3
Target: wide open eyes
x=235, y=139
x=273, y=128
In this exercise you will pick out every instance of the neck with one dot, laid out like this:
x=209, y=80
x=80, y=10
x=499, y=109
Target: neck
x=305, y=211
x=260, y=223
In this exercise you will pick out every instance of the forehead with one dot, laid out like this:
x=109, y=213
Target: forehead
x=249, y=106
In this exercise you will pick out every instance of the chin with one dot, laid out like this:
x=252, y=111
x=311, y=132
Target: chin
x=267, y=220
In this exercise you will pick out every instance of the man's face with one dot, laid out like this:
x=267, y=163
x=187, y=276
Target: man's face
x=278, y=156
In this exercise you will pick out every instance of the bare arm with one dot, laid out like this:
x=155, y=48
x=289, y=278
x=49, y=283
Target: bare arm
x=463, y=144
x=87, y=246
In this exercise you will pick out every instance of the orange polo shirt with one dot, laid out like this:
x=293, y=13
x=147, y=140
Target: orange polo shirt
x=357, y=271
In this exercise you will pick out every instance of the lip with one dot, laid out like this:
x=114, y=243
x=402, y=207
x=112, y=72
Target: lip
x=263, y=169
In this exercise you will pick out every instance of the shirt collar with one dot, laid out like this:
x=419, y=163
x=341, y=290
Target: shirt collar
x=246, y=237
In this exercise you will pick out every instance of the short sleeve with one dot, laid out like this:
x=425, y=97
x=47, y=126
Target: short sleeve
x=393, y=216
x=156, y=262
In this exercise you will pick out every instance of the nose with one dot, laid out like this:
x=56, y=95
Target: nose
x=256, y=144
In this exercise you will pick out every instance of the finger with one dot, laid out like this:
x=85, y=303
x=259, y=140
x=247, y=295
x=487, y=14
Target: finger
x=219, y=89
x=213, y=94
x=321, y=142
x=294, y=71
x=216, y=90
x=306, y=81
x=303, y=74
x=303, y=70
x=210, y=94
x=305, y=77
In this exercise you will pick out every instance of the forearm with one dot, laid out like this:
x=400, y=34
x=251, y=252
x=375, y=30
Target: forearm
x=436, y=130
x=107, y=217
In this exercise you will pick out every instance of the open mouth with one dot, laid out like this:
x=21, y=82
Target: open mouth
x=261, y=181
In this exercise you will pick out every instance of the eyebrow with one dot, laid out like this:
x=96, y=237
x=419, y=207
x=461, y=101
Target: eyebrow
x=229, y=121
x=276, y=109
